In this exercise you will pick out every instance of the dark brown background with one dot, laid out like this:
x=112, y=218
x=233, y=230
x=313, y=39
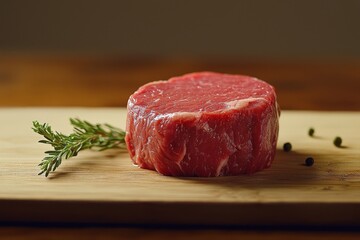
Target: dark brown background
x=199, y=28
x=96, y=53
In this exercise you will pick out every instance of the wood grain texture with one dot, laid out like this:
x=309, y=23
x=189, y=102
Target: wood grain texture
x=106, y=187
x=38, y=233
x=95, y=81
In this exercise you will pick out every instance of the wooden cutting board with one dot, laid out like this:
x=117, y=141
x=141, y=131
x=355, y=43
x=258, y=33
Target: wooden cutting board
x=106, y=187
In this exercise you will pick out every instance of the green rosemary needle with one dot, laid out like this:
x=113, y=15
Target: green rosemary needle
x=85, y=136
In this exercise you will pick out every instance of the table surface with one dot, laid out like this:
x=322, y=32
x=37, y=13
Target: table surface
x=107, y=81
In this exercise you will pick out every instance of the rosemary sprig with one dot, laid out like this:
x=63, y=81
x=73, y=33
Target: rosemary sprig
x=85, y=136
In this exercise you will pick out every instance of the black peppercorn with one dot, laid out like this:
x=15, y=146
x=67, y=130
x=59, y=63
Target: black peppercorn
x=287, y=147
x=311, y=132
x=337, y=141
x=309, y=161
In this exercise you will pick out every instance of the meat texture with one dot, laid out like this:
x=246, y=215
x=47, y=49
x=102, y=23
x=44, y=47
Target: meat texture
x=203, y=124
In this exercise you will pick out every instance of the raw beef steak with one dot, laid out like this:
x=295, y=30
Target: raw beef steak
x=203, y=124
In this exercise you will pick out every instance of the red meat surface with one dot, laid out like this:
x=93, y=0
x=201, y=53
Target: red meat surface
x=203, y=124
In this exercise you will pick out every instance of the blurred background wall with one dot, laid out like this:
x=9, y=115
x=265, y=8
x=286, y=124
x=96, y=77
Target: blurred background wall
x=195, y=28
